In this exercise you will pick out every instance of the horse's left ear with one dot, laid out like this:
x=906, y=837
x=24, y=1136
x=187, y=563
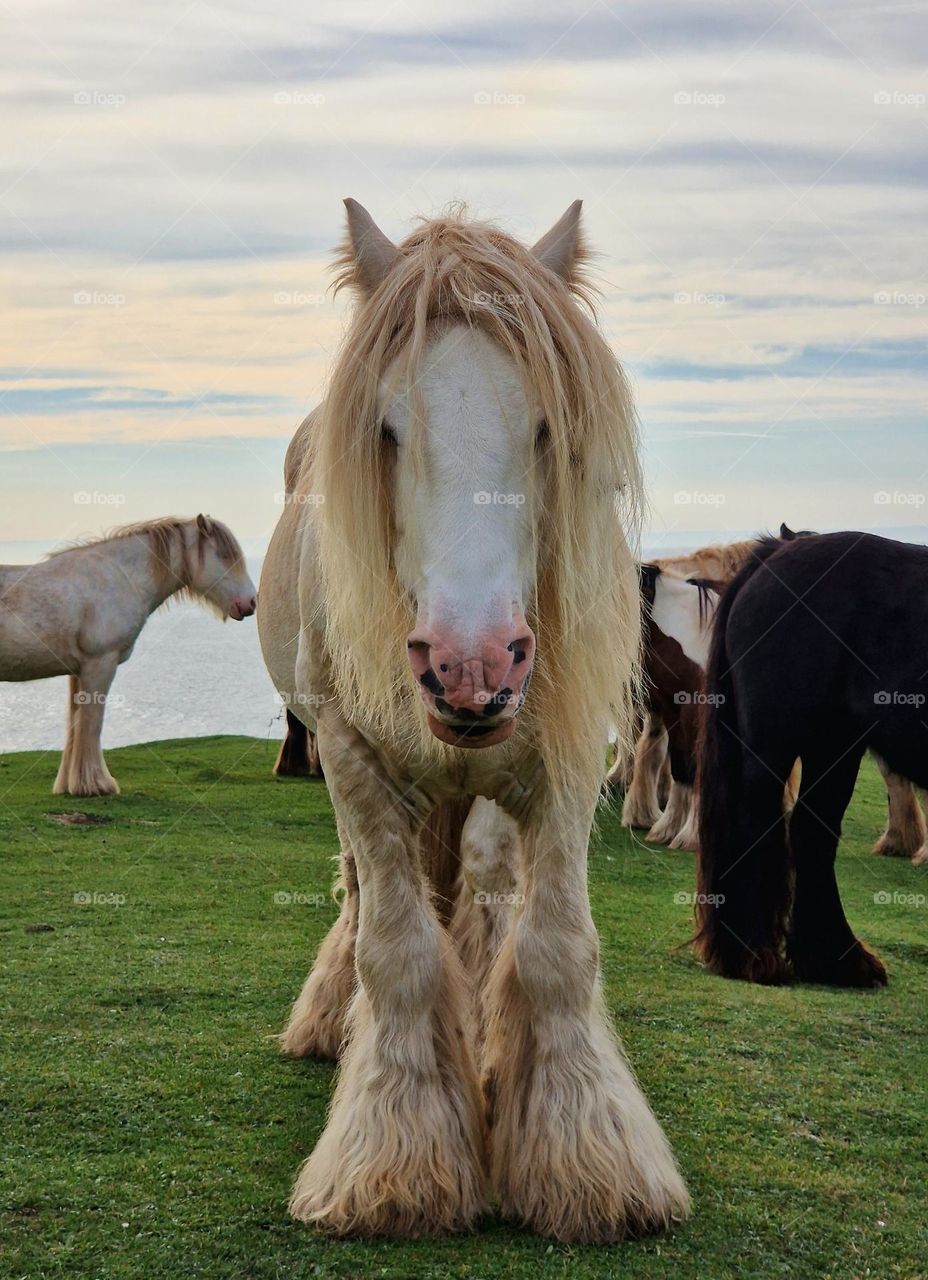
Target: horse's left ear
x=374, y=254
x=205, y=525
x=561, y=248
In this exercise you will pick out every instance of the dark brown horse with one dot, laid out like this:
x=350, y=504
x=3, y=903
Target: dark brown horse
x=818, y=653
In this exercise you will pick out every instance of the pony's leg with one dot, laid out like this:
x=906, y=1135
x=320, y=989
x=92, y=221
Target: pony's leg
x=744, y=899
x=61, y=781
x=402, y=1151
x=293, y=757
x=674, y=818
x=87, y=771
x=687, y=836
x=641, y=807
x=920, y=856
x=316, y=1027
x=905, y=825
x=576, y=1150
x=486, y=896
x=822, y=946
x=664, y=782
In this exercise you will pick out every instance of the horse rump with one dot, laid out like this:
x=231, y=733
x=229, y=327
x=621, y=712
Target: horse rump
x=743, y=872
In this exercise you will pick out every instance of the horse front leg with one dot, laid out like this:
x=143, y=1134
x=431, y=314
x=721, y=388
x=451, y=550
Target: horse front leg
x=87, y=772
x=402, y=1151
x=576, y=1152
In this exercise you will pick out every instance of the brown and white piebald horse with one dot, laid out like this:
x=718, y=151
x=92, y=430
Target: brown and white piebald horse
x=677, y=618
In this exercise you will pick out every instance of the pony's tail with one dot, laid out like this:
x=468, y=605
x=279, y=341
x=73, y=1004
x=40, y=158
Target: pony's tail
x=440, y=851
x=743, y=862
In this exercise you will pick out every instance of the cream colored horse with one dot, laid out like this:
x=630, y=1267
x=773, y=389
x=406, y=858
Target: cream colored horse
x=453, y=534
x=79, y=613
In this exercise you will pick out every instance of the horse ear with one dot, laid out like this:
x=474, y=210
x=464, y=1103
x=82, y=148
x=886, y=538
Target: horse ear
x=786, y=533
x=561, y=248
x=204, y=524
x=374, y=254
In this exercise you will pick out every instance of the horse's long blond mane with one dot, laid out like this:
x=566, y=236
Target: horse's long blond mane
x=171, y=552
x=586, y=610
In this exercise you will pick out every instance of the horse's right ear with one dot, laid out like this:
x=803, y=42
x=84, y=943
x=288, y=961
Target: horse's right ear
x=204, y=524
x=786, y=533
x=374, y=254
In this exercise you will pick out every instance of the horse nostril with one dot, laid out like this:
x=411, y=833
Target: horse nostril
x=518, y=656
x=498, y=703
x=443, y=666
x=430, y=681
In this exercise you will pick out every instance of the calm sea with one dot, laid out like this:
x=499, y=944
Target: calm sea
x=192, y=675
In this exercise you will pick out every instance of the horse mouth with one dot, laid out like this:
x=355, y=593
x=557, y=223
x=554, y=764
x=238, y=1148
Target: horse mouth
x=472, y=736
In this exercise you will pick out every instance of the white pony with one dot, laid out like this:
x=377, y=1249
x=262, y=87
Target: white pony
x=79, y=613
x=452, y=535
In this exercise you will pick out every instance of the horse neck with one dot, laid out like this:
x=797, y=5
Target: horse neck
x=156, y=581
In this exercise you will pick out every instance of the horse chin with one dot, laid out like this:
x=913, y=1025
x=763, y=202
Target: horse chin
x=468, y=738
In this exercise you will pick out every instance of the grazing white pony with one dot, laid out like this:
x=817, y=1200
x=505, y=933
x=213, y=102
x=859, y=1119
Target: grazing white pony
x=453, y=534
x=79, y=613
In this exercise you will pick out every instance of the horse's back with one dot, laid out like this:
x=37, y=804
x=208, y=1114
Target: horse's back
x=833, y=626
x=286, y=591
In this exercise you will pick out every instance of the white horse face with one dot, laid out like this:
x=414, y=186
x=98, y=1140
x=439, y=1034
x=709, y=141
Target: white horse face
x=464, y=548
x=222, y=581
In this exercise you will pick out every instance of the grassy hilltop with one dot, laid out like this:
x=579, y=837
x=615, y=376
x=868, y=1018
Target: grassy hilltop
x=151, y=1129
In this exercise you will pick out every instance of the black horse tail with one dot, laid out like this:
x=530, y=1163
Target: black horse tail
x=732, y=908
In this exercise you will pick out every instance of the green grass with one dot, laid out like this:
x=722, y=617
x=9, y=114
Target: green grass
x=151, y=1128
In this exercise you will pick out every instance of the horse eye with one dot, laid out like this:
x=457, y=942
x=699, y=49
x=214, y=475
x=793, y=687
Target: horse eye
x=542, y=435
x=387, y=434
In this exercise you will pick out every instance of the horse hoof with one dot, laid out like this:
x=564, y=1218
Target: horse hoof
x=858, y=967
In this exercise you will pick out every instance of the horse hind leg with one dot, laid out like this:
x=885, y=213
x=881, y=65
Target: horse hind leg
x=920, y=856
x=60, y=787
x=316, y=1026
x=641, y=807
x=821, y=945
x=299, y=755
x=743, y=876
x=905, y=825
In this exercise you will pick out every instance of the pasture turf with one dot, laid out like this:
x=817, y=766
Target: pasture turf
x=150, y=1128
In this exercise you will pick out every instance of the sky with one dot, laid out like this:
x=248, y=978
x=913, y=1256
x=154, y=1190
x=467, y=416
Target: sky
x=753, y=179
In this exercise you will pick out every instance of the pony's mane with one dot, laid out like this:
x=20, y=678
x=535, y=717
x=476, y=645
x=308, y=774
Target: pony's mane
x=709, y=592
x=719, y=561
x=165, y=536
x=585, y=612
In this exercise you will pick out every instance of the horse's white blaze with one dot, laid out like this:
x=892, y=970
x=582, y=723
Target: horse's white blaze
x=676, y=612
x=464, y=545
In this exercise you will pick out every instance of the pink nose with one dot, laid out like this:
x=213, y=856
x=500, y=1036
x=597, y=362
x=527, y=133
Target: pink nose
x=244, y=607
x=482, y=678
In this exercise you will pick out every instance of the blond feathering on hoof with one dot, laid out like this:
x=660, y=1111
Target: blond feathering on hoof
x=365, y=1177
x=576, y=1151
x=675, y=817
